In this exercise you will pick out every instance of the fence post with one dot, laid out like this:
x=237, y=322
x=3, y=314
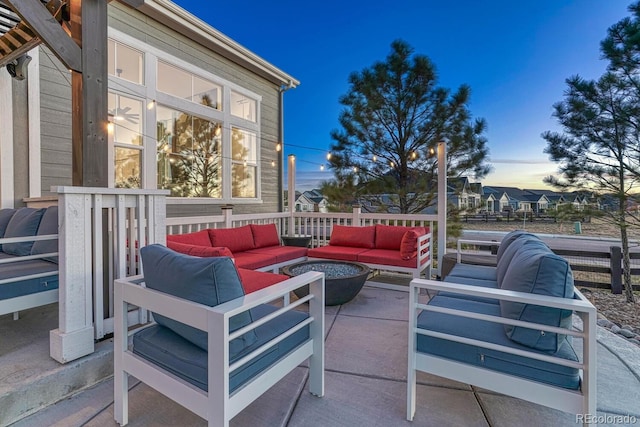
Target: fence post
x=227, y=213
x=616, y=269
x=356, y=220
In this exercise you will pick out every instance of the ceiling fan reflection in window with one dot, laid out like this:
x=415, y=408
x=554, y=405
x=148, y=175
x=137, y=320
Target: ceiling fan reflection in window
x=121, y=114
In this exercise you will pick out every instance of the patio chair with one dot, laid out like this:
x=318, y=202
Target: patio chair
x=212, y=349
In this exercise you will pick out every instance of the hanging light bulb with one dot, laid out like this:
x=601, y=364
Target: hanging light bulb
x=355, y=169
x=414, y=155
x=321, y=167
x=110, y=128
x=151, y=105
x=374, y=158
x=278, y=147
x=217, y=130
x=273, y=163
x=432, y=151
x=328, y=156
x=391, y=164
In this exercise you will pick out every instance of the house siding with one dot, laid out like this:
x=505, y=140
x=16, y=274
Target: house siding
x=55, y=122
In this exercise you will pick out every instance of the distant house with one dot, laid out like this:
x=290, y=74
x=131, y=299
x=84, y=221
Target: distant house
x=464, y=195
x=311, y=201
x=554, y=199
x=516, y=199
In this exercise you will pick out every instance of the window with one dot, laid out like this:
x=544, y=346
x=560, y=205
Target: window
x=188, y=154
x=206, y=141
x=126, y=116
x=245, y=164
x=183, y=84
x=243, y=107
x=125, y=62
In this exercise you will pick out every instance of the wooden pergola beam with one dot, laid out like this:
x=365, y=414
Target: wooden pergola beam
x=49, y=30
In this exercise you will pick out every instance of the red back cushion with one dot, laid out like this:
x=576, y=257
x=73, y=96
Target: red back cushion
x=200, y=238
x=390, y=236
x=265, y=235
x=201, y=251
x=356, y=237
x=409, y=245
x=238, y=239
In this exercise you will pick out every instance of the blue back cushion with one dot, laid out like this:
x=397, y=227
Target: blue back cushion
x=507, y=256
x=5, y=216
x=48, y=225
x=24, y=222
x=539, y=271
x=210, y=281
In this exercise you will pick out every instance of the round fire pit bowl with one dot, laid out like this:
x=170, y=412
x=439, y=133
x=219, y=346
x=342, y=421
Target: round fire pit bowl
x=342, y=282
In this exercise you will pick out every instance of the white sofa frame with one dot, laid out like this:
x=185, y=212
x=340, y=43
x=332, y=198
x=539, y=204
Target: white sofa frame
x=217, y=406
x=24, y=302
x=582, y=401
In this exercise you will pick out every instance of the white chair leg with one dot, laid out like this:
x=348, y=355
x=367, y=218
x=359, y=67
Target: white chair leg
x=16, y=315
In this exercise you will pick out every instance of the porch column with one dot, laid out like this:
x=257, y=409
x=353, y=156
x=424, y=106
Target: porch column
x=74, y=336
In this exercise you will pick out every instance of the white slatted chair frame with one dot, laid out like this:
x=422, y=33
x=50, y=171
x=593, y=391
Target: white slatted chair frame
x=217, y=406
x=582, y=401
x=24, y=302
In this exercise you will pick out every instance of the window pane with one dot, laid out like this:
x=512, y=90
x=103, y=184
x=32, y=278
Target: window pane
x=207, y=93
x=129, y=63
x=189, y=154
x=174, y=81
x=243, y=146
x=243, y=107
x=127, y=168
x=111, y=57
x=126, y=113
x=243, y=181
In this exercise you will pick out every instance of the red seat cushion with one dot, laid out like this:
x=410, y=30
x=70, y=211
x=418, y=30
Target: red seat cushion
x=282, y=253
x=356, y=237
x=253, y=261
x=200, y=238
x=385, y=257
x=201, y=251
x=237, y=239
x=264, y=235
x=255, y=280
x=343, y=253
x=390, y=236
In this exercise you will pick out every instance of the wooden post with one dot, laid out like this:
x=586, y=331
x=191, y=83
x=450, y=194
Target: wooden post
x=442, y=204
x=292, y=192
x=89, y=137
x=616, y=269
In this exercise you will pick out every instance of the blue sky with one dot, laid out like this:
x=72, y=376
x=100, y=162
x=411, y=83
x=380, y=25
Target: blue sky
x=515, y=55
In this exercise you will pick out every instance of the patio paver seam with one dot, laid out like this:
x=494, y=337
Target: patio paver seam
x=485, y=414
x=369, y=317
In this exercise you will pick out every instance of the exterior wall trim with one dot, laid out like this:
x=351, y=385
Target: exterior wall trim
x=6, y=141
x=35, y=137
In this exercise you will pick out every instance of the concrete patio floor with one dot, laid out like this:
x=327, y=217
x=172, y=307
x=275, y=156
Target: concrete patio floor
x=366, y=358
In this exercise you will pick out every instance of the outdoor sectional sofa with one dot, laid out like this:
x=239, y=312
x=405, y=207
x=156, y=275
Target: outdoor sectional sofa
x=28, y=258
x=508, y=328
x=381, y=247
x=254, y=248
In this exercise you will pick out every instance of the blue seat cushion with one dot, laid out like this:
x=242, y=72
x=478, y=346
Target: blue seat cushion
x=189, y=362
x=48, y=225
x=209, y=281
x=519, y=366
x=24, y=222
x=28, y=286
x=537, y=270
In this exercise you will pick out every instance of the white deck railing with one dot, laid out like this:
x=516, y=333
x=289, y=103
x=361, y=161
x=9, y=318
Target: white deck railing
x=314, y=224
x=99, y=231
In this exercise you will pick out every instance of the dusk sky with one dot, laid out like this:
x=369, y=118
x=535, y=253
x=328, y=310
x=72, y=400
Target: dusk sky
x=514, y=55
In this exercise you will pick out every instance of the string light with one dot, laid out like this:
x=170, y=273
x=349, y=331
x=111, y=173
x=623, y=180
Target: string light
x=432, y=151
x=151, y=105
x=273, y=163
x=278, y=147
x=374, y=158
x=328, y=156
x=414, y=155
x=321, y=167
x=110, y=128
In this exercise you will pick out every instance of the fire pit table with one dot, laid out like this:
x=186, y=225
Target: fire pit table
x=342, y=282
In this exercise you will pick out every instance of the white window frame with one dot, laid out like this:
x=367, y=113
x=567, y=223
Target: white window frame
x=149, y=93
